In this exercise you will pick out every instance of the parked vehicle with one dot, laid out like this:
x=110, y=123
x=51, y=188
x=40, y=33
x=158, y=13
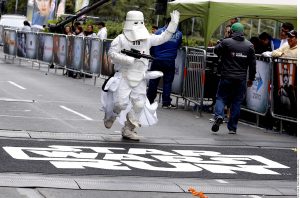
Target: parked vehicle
x=12, y=21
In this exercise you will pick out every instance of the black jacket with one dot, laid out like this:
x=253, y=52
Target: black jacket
x=237, y=55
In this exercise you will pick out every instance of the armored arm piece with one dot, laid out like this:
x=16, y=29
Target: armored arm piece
x=136, y=54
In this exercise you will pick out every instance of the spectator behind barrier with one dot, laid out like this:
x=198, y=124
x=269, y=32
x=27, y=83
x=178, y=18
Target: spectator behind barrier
x=285, y=28
x=289, y=50
x=265, y=43
x=102, y=33
x=67, y=30
x=26, y=26
x=90, y=31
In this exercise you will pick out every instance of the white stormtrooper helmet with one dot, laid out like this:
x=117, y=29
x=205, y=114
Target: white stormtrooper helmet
x=134, y=28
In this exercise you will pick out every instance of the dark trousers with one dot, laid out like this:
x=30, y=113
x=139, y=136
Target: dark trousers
x=168, y=69
x=230, y=92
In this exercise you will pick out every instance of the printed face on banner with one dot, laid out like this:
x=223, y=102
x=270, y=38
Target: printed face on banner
x=285, y=90
x=43, y=11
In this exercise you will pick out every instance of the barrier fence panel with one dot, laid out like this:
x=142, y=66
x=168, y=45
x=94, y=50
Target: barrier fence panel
x=257, y=96
x=194, y=75
x=10, y=41
x=45, y=47
x=177, y=84
x=107, y=68
x=26, y=45
x=77, y=53
x=60, y=49
x=21, y=44
x=284, y=89
x=91, y=63
x=70, y=40
x=1, y=34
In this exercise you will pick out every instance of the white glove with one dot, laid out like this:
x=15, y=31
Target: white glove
x=267, y=54
x=175, y=15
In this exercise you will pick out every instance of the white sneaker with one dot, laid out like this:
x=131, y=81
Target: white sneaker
x=131, y=135
x=109, y=122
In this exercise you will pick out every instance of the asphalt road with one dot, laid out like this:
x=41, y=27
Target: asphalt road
x=52, y=135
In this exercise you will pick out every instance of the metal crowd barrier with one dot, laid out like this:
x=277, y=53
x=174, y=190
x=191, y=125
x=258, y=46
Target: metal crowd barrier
x=194, y=76
x=274, y=87
x=83, y=55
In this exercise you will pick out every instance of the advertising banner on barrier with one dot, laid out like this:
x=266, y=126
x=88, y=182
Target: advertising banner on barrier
x=31, y=45
x=59, y=49
x=177, y=84
x=26, y=45
x=257, y=96
x=43, y=10
x=70, y=41
x=21, y=44
x=45, y=47
x=91, y=55
x=10, y=40
x=284, y=89
x=179, y=68
x=87, y=53
x=77, y=53
x=107, y=68
x=1, y=34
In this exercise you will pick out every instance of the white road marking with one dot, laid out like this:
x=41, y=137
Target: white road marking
x=15, y=84
x=20, y=110
x=252, y=196
x=41, y=118
x=75, y=112
x=16, y=100
x=221, y=181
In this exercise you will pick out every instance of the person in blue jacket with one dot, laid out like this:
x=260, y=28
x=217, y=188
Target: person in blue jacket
x=164, y=61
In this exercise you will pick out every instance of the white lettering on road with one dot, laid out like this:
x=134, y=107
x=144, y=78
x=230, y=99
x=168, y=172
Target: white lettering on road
x=15, y=84
x=75, y=112
x=117, y=158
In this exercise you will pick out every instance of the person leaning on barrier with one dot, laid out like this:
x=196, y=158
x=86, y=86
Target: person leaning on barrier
x=102, y=33
x=26, y=26
x=288, y=50
x=237, y=56
x=124, y=94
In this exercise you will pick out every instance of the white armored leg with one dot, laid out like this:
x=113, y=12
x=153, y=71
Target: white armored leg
x=129, y=133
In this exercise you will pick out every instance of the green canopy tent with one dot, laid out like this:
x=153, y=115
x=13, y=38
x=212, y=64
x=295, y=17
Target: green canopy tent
x=216, y=12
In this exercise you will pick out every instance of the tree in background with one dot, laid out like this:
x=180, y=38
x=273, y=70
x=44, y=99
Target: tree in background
x=11, y=7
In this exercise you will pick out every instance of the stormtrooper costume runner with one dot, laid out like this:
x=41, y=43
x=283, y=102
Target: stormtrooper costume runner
x=126, y=90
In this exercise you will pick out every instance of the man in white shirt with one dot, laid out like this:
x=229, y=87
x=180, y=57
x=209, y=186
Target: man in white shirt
x=285, y=28
x=102, y=33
